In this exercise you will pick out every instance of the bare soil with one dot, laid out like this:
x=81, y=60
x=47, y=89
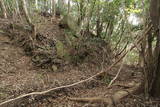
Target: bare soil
x=18, y=76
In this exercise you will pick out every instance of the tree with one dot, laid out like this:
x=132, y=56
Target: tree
x=54, y=7
x=4, y=11
x=25, y=11
x=28, y=19
x=69, y=5
x=155, y=18
x=36, y=4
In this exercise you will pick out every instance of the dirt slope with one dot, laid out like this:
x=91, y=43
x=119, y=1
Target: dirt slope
x=19, y=76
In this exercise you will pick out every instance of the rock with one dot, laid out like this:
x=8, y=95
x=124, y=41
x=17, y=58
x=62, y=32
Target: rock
x=69, y=22
x=54, y=68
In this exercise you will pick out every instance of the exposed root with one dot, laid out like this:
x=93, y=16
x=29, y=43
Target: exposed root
x=106, y=101
x=114, y=99
x=112, y=81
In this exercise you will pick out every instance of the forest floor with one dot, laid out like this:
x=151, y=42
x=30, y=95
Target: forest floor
x=18, y=75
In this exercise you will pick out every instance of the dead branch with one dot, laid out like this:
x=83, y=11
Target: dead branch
x=120, y=94
x=117, y=43
x=5, y=103
x=119, y=53
x=117, y=96
x=116, y=74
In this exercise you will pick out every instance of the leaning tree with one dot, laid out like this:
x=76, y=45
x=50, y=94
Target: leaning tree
x=3, y=8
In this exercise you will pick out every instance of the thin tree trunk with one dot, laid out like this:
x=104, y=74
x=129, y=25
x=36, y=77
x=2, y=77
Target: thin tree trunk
x=28, y=19
x=69, y=5
x=54, y=7
x=81, y=9
x=17, y=9
x=36, y=4
x=90, y=15
x=60, y=5
x=4, y=11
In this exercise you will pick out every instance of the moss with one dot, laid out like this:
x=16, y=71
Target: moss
x=62, y=51
x=1, y=31
x=70, y=23
x=3, y=95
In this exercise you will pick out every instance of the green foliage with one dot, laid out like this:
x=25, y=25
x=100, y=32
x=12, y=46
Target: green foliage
x=1, y=31
x=61, y=51
x=110, y=17
x=132, y=9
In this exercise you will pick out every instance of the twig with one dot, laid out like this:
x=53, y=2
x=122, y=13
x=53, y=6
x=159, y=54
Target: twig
x=74, y=84
x=116, y=74
x=119, y=53
x=58, y=88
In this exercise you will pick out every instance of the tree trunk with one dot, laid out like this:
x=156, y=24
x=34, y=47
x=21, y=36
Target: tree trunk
x=25, y=11
x=36, y=4
x=28, y=19
x=54, y=7
x=90, y=13
x=60, y=6
x=81, y=6
x=17, y=9
x=155, y=18
x=69, y=5
x=4, y=11
x=156, y=83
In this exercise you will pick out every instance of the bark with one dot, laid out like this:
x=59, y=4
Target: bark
x=155, y=86
x=154, y=12
x=17, y=7
x=155, y=18
x=156, y=83
x=99, y=24
x=4, y=11
x=69, y=5
x=60, y=5
x=36, y=4
x=17, y=10
x=55, y=9
x=142, y=53
x=81, y=9
x=90, y=12
x=28, y=19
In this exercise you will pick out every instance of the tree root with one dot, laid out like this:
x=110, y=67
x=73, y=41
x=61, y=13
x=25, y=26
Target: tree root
x=5, y=104
x=116, y=97
x=105, y=101
x=112, y=100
